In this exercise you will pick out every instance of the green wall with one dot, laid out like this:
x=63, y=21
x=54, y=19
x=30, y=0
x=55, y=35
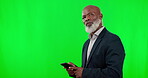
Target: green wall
x=37, y=35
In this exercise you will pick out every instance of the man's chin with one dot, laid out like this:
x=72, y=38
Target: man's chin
x=88, y=29
x=92, y=27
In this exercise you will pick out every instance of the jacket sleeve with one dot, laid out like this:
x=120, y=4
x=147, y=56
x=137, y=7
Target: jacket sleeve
x=114, y=58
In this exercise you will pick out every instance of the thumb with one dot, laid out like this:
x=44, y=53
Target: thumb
x=73, y=68
x=72, y=64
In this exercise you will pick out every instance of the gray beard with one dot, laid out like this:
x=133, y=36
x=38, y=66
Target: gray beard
x=93, y=27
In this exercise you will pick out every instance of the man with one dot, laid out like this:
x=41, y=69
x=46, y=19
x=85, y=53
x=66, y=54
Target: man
x=103, y=53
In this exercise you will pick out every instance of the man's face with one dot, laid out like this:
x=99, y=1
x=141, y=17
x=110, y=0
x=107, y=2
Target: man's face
x=88, y=17
x=91, y=19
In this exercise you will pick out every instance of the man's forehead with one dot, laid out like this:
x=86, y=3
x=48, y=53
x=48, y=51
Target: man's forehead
x=86, y=11
x=91, y=9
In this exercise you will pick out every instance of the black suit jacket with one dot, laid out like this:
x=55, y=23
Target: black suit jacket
x=106, y=57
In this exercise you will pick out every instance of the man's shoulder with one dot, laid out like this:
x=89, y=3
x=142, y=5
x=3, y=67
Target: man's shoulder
x=110, y=36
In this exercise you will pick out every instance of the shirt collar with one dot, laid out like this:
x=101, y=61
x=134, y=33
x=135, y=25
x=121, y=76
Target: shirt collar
x=96, y=33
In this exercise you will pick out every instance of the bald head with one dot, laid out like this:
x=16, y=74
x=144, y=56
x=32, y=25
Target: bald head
x=92, y=8
x=92, y=16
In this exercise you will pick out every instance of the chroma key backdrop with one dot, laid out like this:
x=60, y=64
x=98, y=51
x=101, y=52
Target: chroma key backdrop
x=37, y=35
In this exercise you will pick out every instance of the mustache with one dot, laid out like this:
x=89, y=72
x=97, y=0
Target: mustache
x=87, y=23
x=93, y=22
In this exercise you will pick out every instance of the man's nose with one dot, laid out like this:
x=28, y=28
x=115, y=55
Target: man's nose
x=87, y=18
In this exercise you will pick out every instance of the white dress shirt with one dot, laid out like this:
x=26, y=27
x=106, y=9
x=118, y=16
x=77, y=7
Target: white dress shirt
x=92, y=40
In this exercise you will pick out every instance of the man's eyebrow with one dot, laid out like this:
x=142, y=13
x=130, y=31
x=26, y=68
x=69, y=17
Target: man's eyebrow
x=90, y=13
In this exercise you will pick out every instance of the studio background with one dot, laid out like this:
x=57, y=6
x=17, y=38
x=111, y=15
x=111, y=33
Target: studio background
x=37, y=35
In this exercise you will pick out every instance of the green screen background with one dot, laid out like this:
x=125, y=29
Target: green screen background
x=37, y=35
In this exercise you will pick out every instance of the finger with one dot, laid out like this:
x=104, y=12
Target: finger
x=72, y=64
x=73, y=68
x=70, y=68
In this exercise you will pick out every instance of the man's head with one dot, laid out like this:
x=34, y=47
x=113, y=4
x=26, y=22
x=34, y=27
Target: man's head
x=92, y=18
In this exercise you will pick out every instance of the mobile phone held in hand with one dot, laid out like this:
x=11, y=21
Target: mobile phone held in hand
x=66, y=65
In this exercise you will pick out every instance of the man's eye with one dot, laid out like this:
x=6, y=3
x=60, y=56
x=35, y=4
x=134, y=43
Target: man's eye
x=91, y=14
x=83, y=17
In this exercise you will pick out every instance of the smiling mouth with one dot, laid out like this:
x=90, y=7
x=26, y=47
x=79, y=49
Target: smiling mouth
x=89, y=24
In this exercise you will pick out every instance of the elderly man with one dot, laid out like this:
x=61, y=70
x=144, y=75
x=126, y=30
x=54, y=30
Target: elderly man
x=103, y=53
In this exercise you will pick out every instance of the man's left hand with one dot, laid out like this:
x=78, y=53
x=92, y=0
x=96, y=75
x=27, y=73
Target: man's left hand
x=77, y=71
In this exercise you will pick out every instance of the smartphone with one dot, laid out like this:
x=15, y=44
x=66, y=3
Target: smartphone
x=66, y=65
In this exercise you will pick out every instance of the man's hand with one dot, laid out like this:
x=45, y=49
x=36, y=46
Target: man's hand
x=71, y=72
x=77, y=71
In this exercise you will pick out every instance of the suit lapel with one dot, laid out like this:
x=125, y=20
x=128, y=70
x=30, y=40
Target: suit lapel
x=95, y=45
x=85, y=53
